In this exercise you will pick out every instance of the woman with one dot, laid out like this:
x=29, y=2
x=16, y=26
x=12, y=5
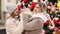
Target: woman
x=14, y=24
x=39, y=16
x=32, y=25
x=41, y=12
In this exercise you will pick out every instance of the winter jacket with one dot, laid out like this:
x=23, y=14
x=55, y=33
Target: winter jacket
x=14, y=26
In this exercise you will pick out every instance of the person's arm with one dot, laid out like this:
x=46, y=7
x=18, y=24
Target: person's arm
x=34, y=24
x=26, y=18
x=19, y=29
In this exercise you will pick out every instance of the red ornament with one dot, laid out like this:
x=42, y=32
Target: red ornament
x=19, y=6
x=47, y=22
x=33, y=4
x=56, y=21
x=25, y=1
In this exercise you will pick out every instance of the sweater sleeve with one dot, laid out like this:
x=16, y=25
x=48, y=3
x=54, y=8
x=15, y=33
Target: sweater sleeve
x=34, y=24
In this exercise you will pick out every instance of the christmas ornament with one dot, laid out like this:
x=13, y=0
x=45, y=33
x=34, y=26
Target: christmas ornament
x=55, y=21
x=33, y=4
x=25, y=1
x=58, y=5
x=19, y=5
x=35, y=0
x=47, y=22
x=58, y=0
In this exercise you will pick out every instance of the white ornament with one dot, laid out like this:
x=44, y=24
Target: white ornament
x=35, y=0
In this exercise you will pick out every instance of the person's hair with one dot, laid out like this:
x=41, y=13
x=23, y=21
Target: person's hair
x=42, y=6
x=10, y=15
x=13, y=14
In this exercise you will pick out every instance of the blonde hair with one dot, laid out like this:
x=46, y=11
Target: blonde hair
x=42, y=6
